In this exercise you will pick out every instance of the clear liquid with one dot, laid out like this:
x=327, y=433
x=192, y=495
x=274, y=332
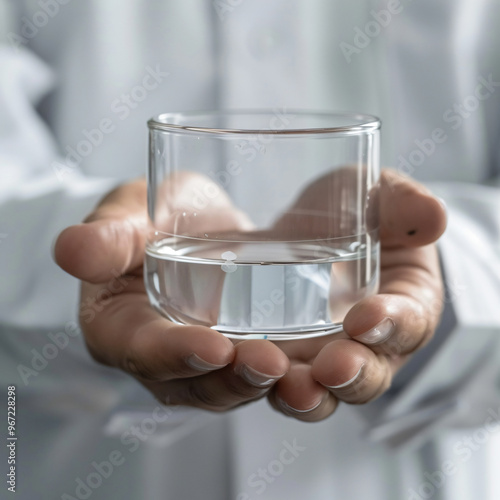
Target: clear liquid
x=276, y=290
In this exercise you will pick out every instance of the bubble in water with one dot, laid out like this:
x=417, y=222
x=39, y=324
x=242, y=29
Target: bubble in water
x=354, y=245
x=229, y=266
x=228, y=255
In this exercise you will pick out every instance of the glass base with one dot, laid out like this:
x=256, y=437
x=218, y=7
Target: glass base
x=276, y=335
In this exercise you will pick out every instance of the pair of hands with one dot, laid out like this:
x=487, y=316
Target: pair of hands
x=197, y=366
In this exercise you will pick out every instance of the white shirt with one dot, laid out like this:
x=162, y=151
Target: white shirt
x=77, y=84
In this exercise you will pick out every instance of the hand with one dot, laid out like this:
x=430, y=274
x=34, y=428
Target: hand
x=186, y=365
x=129, y=334
x=381, y=331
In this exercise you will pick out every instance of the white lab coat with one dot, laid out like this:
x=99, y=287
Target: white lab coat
x=69, y=68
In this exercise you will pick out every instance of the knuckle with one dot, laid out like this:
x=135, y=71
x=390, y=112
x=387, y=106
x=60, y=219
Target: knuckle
x=140, y=370
x=137, y=366
x=141, y=359
x=377, y=390
x=244, y=391
x=424, y=337
x=368, y=388
x=393, y=347
x=202, y=397
x=385, y=384
x=427, y=336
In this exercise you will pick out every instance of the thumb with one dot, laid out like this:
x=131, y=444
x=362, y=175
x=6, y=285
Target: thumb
x=409, y=215
x=112, y=238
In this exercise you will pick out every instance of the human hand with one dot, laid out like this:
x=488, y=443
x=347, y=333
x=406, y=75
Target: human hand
x=185, y=365
x=129, y=334
x=381, y=331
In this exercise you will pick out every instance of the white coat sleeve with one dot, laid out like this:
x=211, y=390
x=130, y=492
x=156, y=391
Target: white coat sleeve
x=454, y=380
x=40, y=194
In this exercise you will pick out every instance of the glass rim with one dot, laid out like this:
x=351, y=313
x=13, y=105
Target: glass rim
x=363, y=123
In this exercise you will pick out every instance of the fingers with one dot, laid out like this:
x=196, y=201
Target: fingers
x=191, y=365
x=409, y=215
x=199, y=367
x=257, y=366
x=389, y=324
x=126, y=332
x=188, y=365
x=387, y=327
x=192, y=204
x=111, y=242
x=352, y=372
x=404, y=315
x=299, y=396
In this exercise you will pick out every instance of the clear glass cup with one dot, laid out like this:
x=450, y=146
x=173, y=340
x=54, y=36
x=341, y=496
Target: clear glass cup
x=263, y=224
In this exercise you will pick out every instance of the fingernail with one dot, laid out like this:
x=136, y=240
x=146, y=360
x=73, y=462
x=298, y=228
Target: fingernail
x=194, y=361
x=442, y=203
x=254, y=377
x=378, y=333
x=53, y=248
x=445, y=207
x=349, y=382
x=290, y=409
